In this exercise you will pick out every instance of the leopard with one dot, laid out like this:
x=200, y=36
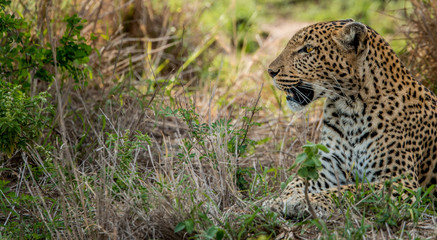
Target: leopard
x=379, y=123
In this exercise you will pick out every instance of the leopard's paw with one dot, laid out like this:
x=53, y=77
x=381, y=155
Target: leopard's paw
x=297, y=206
x=275, y=205
x=289, y=207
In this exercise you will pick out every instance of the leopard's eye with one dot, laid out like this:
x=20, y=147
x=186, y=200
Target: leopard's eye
x=306, y=49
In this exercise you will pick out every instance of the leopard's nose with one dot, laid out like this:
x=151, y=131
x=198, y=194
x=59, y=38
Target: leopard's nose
x=273, y=73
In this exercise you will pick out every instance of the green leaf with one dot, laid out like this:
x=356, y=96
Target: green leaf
x=314, y=149
x=283, y=185
x=220, y=234
x=428, y=190
x=19, y=13
x=314, y=175
x=309, y=163
x=301, y=157
x=310, y=153
x=212, y=231
x=189, y=225
x=179, y=227
x=322, y=147
x=303, y=172
x=317, y=162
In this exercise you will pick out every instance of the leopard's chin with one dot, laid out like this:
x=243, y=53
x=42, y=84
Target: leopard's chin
x=299, y=96
x=294, y=106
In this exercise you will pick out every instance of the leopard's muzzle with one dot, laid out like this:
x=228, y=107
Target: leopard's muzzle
x=302, y=93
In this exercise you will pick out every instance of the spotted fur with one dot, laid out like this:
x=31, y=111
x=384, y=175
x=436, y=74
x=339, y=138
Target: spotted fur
x=379, y=123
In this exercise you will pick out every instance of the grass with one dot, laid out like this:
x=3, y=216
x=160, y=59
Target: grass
x=421, y=35
x=176, y=134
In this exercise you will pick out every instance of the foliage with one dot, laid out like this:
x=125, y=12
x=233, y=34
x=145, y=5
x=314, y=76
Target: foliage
x=73, y=52
x=254, y=225
x=309, y=161
x=16, y=49
x=23, y=58
x=21, y=117
x=26, y=112
x=212, y=232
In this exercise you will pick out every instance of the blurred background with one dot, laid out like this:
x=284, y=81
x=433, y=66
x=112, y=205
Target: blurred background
x=157, y=119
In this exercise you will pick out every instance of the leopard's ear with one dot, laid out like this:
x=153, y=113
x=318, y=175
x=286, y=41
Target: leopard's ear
x=352, y=37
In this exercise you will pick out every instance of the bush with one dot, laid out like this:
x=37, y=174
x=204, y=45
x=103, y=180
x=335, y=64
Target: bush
x=23, y=60
x=21, y=117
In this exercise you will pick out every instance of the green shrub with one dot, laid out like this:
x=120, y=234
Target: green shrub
x=21, y=117
x=22, y=59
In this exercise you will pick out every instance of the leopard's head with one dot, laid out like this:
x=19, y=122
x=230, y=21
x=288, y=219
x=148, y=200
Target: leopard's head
x=321, y=60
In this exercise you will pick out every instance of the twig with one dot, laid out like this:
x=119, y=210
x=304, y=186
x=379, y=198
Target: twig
x=307, y=199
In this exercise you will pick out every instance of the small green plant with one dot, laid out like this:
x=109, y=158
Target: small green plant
x=309, y=161
x=213, y=232
x=309, y=166
x=197, y=224
x=254, y=225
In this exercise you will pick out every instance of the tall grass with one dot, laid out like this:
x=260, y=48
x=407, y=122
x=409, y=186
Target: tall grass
x=421, y=34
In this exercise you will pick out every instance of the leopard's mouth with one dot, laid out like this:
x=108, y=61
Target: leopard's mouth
x=302, y=93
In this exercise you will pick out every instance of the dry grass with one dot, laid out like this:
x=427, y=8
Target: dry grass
x=421, y=34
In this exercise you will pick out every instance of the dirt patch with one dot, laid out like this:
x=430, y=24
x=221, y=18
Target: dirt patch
x=280, y=32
